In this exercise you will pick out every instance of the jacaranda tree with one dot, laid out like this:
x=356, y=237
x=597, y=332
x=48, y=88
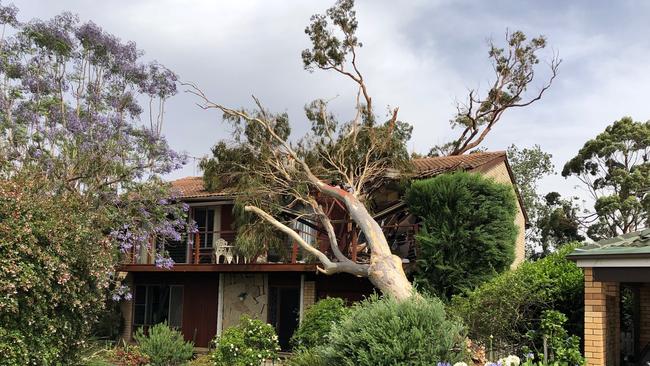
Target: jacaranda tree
x=80, y=173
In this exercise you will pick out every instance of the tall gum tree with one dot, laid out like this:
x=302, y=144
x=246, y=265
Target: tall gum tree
x=335, y=162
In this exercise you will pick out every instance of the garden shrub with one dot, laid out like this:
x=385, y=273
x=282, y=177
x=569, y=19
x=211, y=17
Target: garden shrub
x=468, y=230
x=307, y=357
x=509, y=307
x=164, y=346
x=384, y=331
x=564, y=349
x=54, y=260
x=317, y=322
x=248, y=343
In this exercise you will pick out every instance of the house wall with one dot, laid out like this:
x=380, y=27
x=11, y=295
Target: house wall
x=499, y=172
x=308, y=294
x=644, y=326
x=602, y=321
x=255, y=286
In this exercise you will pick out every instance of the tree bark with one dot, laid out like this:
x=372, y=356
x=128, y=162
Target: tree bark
x=385, y=271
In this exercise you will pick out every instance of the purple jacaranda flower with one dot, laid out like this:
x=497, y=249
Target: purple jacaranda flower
x=163, y=262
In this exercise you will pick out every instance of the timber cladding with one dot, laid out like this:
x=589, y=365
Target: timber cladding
x=199, y=301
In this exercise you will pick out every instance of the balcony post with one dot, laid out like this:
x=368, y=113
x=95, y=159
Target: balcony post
x=294, y=252
x=197, y=244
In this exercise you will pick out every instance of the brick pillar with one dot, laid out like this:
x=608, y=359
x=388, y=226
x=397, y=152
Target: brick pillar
x=126, y=308
x=644, y=326
x=602, y=324
x=309, y=294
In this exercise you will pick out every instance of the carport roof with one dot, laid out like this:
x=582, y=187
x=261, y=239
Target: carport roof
x=626, y=245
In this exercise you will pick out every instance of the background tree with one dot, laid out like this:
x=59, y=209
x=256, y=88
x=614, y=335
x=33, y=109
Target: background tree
x=614, y=168
x=529, y=166
x=554, y=221
x=515, y=66
x=558, y=223
x=342, y=162
x=468, y=233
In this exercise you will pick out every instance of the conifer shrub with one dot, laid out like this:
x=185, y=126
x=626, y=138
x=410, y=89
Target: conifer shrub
x=317, y=322
x=384, y=331
x=468, y=231
x=164, y=346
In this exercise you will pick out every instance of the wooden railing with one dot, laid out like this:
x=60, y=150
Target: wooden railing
x=401, y=239
x=205, y=254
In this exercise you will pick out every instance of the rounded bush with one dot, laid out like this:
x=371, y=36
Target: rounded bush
x=164, y=346
x=384, y=331
x=506, y=310
x=317, y=322
x=248, y=343
x=468, y=230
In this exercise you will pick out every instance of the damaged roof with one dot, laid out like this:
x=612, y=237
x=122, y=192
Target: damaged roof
x=193, y=188
x=428, y=167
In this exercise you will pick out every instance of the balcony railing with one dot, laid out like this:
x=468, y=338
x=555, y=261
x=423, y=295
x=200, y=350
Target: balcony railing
x=221, y=249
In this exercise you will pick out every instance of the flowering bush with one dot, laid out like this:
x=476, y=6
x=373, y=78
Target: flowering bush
x=55, y=266
x=248, y=343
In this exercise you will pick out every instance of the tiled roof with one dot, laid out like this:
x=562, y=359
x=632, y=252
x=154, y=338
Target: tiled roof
x=426, y=167
x=192, y=187
x=631, y=243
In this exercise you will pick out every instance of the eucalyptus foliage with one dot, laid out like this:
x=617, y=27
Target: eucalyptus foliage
x=615, y=169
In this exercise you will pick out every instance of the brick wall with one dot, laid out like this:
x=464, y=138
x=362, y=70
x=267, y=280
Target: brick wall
x=309, y=294
x=602, y=322
x=644, y=326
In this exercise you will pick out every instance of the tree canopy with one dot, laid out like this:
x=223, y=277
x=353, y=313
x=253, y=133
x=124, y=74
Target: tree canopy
x=614, y=168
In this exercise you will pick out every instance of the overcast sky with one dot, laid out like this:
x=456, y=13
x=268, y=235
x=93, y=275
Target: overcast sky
x=419, y=55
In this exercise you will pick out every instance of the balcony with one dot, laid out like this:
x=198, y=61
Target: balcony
x=215, y=251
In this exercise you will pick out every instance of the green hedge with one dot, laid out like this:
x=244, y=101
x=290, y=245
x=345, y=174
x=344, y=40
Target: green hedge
x=510, y=306
x=469, y=231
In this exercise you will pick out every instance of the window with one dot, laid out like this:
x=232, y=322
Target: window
x=307, y=233
x=158, y=303
x=205, y=222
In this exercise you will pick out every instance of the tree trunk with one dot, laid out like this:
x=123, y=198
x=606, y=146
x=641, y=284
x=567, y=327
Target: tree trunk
x=385, y=271
x=387, y=274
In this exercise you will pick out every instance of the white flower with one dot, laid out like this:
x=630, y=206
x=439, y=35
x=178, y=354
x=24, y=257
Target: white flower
x=460, y=364
x=511, y=360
